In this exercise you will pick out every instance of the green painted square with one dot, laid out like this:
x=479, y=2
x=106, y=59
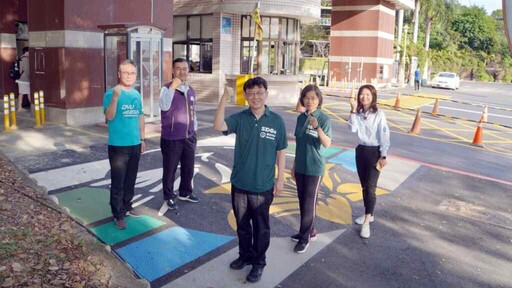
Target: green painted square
x=109, y=234
x=86, y=204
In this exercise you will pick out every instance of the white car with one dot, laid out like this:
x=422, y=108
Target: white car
x=446, y=80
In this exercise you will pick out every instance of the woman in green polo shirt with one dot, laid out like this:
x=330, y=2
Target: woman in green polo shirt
x=313, y=131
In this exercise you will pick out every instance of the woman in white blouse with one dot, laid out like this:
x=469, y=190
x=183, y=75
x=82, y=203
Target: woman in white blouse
x=369, y=123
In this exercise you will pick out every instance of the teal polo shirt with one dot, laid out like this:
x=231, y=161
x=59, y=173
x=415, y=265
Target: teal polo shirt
x=308, y=151
x=123, y=130
x=257, y=142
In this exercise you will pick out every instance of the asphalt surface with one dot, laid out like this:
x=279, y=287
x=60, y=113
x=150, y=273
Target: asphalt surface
x=443, y=215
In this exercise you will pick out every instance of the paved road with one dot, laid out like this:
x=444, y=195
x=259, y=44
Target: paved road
x=443, y=217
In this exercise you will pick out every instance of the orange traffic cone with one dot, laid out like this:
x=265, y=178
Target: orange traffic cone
x=477, y=140
x=397, y=101
x=435, y=110
x=415, y=129
x=484, y=115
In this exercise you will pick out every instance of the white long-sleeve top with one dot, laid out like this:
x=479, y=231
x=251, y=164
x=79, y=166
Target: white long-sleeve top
x=372, y=131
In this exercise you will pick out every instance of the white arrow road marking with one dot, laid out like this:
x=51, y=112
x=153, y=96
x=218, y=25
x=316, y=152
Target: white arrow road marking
x=204, y=156
x=163, y=209
x=281, y=262
x=396, y=172
x=72, y=175
x=148, y=177
x=219, y=141
x=224, y=171
x=144, y=200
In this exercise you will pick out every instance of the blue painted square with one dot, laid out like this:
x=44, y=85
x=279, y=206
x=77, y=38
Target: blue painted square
x=347, y=159
x=159, y=254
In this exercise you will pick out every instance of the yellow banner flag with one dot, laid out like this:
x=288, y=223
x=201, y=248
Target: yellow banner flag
x=258, y=29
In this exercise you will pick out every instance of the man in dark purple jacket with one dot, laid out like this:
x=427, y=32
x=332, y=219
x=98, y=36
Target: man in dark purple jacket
x=178, y=141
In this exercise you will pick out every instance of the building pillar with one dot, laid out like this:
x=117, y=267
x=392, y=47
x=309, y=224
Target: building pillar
x=362, y=36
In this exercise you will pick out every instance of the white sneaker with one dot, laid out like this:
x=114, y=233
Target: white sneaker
x=360, y=220
x=365, y=231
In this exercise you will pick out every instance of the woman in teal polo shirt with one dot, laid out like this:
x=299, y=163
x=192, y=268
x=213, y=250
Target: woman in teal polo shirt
x=313, y=131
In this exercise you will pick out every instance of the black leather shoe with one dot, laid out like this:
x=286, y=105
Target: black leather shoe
x=255, y=274
x=238, y=264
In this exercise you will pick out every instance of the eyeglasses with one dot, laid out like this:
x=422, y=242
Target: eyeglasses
x=125, y=73
x=254, y=94
x=313, y=99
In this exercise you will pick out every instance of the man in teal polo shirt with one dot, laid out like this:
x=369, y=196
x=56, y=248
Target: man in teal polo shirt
x=260, y=143
x=122, y=106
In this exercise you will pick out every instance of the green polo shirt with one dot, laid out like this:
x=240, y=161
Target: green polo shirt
x=308, y=151
x=257, y=142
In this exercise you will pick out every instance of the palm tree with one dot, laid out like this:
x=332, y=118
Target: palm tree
x=433, y=11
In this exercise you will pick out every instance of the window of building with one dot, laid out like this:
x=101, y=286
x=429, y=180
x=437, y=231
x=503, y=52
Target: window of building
x=193, y=40
x=277, y=52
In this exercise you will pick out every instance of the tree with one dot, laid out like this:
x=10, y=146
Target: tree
x=315, y=35
x=432, y=11
x=477, y=29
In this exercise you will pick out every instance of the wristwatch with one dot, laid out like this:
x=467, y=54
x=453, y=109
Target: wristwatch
x=143, y=139
x=316, y=128
x=383, y=157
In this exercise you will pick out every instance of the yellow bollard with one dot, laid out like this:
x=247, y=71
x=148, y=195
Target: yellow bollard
x=36, y=107
x=14, y=126
x=6, y=112
x=41, y=106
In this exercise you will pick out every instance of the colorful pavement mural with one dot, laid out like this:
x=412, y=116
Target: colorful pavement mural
x=164, y=245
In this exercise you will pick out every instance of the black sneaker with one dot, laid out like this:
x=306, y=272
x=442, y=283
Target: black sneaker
x=296, y=237
x=301, y=247
x=134, y=213
x=120, y=224
x=171, y=204
x=255, y=274
x=190, y=198
x=238, y=264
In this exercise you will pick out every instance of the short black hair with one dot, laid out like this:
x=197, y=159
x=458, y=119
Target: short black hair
x=25, y=49
x=311, y=87
x=180, y=60
x=127, y=62
x=256, y=81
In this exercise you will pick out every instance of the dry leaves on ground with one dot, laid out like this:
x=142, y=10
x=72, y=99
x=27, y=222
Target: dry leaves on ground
x=40, y=247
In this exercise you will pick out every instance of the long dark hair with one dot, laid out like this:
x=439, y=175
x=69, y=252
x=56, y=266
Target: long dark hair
x=318, y=93
x=373, y=106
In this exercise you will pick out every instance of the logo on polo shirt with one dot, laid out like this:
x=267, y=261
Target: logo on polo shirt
x=269, y=133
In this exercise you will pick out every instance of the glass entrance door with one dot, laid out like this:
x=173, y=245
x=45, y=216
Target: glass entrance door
x=146, y=52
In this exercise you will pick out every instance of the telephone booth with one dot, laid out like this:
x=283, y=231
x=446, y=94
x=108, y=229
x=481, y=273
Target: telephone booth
x=143, y=44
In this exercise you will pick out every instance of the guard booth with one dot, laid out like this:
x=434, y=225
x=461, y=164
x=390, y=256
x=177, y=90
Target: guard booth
x=142, y=43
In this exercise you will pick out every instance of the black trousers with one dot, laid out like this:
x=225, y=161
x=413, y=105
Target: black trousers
x=366, y=159
x=417, y=84
x=181, y=151
x=307, y=191
x=124, y=163
x=252, y=220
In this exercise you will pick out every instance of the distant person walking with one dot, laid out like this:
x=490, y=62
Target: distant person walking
x=417, y=79
x=24, y=80
x=370, y=125
x=126, y=141
x=312, y=133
